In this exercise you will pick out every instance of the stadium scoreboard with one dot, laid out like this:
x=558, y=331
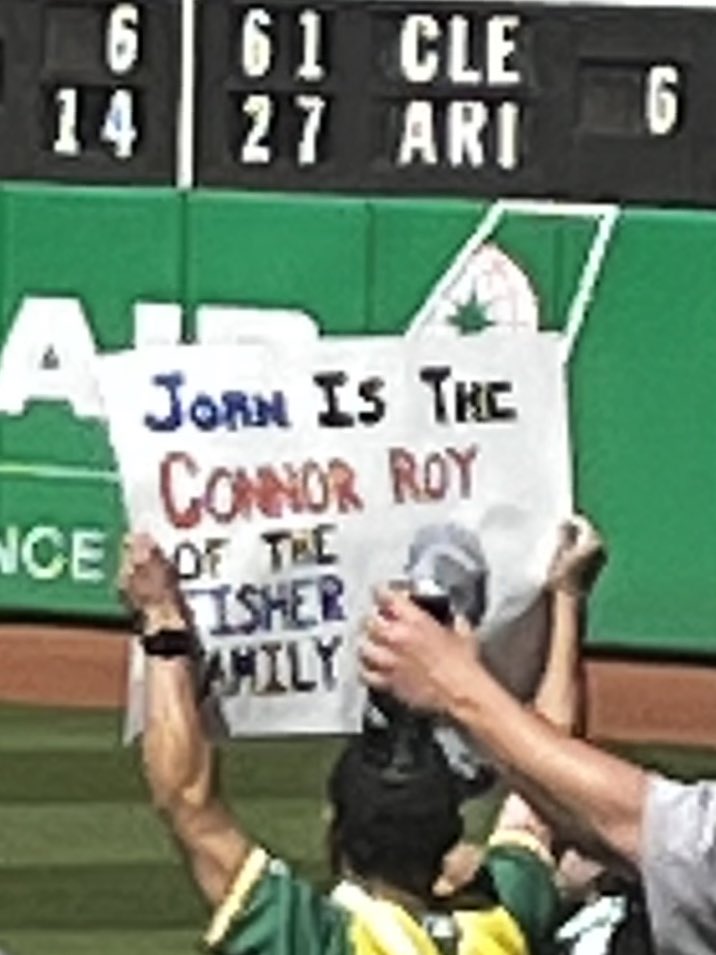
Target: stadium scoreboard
x=481, y=98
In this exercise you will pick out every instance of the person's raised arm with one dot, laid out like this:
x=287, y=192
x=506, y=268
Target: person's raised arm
x=178, y=757
x=560, y=693
x=598, y=798
x=578, y=559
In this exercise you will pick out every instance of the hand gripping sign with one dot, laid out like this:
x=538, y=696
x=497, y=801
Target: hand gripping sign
x=287, y=480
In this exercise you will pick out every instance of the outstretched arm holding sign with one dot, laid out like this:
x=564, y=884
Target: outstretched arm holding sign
x=177, y=754
x=559, y=699
x=597, y=797
x=560, y=695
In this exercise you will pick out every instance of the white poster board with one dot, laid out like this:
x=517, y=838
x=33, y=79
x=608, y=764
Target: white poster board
x=286, y=482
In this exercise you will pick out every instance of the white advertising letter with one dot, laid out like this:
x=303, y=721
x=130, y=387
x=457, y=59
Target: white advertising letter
x=49, y=355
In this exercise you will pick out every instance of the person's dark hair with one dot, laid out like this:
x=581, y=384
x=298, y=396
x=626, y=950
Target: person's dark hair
x=396, y=806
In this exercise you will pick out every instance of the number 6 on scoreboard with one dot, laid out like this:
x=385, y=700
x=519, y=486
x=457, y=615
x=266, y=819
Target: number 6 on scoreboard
x=122, y=40
x=662, y=101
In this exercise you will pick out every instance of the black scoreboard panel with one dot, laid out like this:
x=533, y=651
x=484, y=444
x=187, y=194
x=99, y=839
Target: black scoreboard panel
x=458, y=98
x=6, y=112
x=90, y=90
x=365, y=96
x=644, y=106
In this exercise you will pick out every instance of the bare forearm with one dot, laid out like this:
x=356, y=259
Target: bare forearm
x=179, y=760
x=177, y=756
x=559, y=700
x=180, y=768
x=560, y=696
x=598, y=796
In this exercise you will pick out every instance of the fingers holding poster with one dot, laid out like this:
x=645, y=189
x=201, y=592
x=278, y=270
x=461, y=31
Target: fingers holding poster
x=286, y=490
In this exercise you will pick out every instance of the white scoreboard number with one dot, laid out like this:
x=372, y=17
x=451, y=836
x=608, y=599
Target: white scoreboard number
x=662, y=100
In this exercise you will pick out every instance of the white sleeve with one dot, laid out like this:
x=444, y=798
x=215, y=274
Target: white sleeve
x=678, y=862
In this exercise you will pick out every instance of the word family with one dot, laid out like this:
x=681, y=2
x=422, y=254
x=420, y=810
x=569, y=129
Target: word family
x=274, y=668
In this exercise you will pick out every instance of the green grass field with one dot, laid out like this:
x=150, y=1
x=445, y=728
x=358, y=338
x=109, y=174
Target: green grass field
x=86, y=868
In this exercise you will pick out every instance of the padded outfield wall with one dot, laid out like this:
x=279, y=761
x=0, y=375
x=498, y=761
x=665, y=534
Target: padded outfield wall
x=642, y=372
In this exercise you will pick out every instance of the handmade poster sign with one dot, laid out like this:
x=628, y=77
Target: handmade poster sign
x=286, y=482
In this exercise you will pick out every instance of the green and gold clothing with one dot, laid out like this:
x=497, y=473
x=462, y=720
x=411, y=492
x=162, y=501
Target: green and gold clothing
x=272, y=911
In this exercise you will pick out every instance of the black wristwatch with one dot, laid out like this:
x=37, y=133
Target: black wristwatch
x=169, y=643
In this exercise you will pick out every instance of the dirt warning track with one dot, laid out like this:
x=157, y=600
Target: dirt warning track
x=633, y=701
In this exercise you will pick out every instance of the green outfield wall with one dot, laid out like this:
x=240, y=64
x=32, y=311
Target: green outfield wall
x=642, y=370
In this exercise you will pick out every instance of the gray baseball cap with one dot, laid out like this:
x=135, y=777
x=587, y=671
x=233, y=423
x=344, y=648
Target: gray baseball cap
x=449, y=557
